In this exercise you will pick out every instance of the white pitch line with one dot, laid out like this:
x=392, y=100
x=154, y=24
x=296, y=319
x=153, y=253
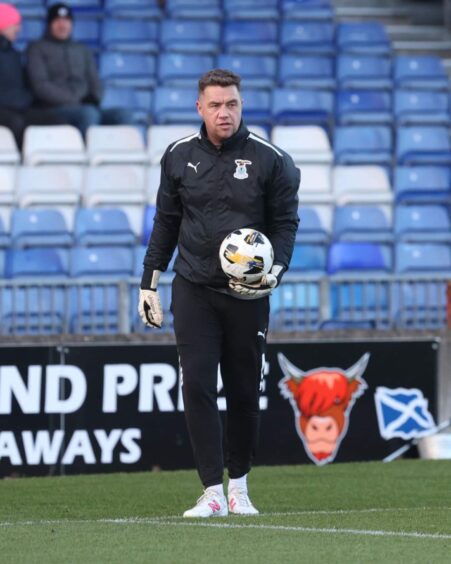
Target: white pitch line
x=167, y=521
x=328, y=530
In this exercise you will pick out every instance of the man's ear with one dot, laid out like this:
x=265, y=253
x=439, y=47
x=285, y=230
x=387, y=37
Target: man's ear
x=199, y=108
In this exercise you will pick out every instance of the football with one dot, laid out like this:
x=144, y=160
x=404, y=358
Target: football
x=246, y=255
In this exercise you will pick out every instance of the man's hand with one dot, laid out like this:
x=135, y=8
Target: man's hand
x=149, y=307
x=259, y=289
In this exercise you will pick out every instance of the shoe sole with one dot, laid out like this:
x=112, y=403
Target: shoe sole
x=205, y=516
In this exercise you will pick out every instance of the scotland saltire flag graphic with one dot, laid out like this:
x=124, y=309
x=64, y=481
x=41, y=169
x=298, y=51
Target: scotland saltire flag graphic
x=402, y=413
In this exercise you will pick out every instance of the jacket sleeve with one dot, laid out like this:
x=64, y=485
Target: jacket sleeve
x=42, y=87
x=166, y=226
x=95, y=87
x=282, y=209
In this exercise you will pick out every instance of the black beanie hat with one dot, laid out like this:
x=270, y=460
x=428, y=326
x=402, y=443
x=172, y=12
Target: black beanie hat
x=59, y=10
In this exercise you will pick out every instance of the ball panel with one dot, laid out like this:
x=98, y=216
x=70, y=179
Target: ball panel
x=246, y=254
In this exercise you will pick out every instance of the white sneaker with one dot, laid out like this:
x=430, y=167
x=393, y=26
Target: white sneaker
x=239, y=502
x=210, y=504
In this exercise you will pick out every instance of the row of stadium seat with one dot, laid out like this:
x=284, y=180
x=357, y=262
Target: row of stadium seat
x=206, y=9
x=356, y=144
x=288, y=70
x=73, y=185
x=251, y=37
x=339, y=257
x=294, y=105
x=37, y=227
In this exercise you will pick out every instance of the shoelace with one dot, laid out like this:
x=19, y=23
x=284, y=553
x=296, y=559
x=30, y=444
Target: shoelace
x=242, y=496
x=206, y=496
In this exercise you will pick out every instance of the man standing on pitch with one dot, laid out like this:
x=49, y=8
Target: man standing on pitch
x=205, y=194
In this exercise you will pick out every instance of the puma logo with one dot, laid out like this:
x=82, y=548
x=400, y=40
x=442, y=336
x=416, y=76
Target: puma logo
x=194, y=166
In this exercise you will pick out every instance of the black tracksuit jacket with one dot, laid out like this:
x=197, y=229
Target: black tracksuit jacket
x=205, y=194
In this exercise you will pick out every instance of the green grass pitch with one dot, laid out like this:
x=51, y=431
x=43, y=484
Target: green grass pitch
x=342, y=513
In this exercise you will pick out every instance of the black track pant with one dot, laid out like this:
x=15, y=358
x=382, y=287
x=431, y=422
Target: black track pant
x=214, y=329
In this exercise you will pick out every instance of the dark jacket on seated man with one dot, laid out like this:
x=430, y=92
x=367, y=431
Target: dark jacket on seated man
x=15, y=97
x=63, y=75
x=14, y=93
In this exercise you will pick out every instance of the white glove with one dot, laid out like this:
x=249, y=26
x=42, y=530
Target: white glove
x=259, y=289
x=149, y=307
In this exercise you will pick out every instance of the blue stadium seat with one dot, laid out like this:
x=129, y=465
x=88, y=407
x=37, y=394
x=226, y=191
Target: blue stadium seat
x=36, y=263
x=363, y=145
x=422, y=224
x=180, y=36
x=421, y=108
x=251, y=37
x=422, y=184
x=298, y=71
x=419, y=303
x=87, y=31
x=423, y=145
x=256, y=72
x=112, y=262
x=256, y=106
x=311, y=228
x=95, y=308
x=131, y=70
x=194, y=9
x=138, y=36
x=364, y=72
x=420, y=72
x=423, y=258
x=139, y=102
x=175, y=105
x=103, y=226
x=5, y=241
x=138, y=257
x=293, y=107
x=32, y=310
x=359, y=304
x=39, y=228
x=32, y=9
x=307, y=38
x=177, y=70
x=95, y=302
x=363, y=37
x=296, y=306
x=141, y=9
x=149, y=216
x=348, y=257
x=363, y=107
x=363, y=223
x=251, y=10
x=80, y=5
x=309, y=258
x=307, y=10
x=31, y=30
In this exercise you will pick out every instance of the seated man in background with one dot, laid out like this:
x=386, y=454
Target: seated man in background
x=63, y=75
x=15, y=97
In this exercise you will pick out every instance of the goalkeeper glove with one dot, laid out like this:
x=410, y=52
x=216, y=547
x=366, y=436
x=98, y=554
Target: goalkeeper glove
x=149, y=307
x=263, y=287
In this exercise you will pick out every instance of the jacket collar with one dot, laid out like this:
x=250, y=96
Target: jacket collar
x=237, y=138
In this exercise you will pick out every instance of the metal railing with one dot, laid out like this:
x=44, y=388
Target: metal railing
x=302, y=303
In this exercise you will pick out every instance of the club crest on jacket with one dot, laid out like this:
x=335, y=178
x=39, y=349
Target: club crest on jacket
x=241, y=170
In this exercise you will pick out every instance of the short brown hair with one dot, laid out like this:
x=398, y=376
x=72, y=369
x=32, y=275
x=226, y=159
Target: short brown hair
x=219, y=77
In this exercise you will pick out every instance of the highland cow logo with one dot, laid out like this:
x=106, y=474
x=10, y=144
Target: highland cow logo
x=322, y=400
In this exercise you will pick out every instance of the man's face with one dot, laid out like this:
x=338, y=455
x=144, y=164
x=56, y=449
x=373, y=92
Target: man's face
x=220, y=107
x=11, y=32
x=61, y=28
